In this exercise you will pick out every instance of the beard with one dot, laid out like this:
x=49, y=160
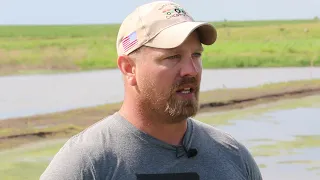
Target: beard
x=168, y=106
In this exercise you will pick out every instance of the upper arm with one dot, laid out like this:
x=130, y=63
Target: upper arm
x=252, y=169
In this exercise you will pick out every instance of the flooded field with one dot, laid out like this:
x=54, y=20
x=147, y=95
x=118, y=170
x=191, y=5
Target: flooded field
x=284, y=138
x=38, y=94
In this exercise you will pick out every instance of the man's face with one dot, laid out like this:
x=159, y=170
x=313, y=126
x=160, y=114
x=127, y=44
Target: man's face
x=168, y=80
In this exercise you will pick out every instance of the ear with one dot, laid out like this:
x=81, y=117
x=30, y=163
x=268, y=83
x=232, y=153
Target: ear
x=128, y=69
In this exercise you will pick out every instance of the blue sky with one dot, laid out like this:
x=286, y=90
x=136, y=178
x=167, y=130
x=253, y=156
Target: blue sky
x=103, y=11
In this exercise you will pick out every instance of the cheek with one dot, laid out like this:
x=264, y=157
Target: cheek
x=155, y=78
x=146, y=79
x=165, y=81
x=159, y=82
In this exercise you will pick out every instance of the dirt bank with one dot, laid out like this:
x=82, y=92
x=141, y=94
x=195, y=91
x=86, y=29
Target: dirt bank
x=18, y=131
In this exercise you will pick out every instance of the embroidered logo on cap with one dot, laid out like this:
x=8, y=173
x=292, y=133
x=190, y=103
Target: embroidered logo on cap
x=172, y=10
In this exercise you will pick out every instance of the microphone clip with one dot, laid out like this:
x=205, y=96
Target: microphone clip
x=192, y=152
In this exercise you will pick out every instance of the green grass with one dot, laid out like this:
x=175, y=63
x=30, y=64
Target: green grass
x=87, y=47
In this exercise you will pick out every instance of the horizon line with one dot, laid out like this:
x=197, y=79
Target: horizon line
x=210, y=21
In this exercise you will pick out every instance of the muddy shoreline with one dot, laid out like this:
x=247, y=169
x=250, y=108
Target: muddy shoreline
x=243, y=103
x=18, y=131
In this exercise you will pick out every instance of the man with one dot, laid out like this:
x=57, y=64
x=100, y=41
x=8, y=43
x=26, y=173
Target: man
x=153, y=136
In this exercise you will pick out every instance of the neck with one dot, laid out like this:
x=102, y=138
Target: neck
x=171, y=133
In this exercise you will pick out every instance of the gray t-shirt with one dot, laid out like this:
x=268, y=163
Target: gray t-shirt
x=115, y=149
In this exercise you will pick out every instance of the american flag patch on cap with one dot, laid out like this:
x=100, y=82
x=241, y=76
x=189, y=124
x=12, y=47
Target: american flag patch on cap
x=129, y=41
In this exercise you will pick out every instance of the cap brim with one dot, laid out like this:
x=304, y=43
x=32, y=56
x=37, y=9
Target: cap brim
x=175, y=35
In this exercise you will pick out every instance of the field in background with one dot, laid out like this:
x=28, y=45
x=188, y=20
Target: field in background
x=84, y=47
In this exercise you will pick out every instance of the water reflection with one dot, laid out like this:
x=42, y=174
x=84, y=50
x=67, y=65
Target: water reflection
x=285, y=142
x=278, y=125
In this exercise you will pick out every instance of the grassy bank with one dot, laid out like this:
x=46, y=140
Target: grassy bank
x=240, y=44
x=17, y=131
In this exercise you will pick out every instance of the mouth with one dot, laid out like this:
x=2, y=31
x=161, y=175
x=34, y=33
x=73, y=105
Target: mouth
x=187, y=90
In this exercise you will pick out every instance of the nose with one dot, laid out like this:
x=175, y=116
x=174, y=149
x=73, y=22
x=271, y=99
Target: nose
x=190, y=67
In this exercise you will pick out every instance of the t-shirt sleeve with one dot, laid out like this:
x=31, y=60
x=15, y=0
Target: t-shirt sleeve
x=252, y=169
x=70, y=164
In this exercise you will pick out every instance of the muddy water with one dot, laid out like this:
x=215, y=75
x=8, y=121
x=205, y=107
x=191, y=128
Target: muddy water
x=284, y=138
x=37, y=94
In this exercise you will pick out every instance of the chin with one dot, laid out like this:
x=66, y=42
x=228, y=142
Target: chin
x=182, y=109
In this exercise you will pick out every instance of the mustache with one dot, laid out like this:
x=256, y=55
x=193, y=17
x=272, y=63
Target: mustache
x=184, y=81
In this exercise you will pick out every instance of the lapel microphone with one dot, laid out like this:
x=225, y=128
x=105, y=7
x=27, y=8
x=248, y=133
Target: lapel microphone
x=192, y=152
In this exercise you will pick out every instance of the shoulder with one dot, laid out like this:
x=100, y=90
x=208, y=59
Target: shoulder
x=79, y=156
x=216, y=135
x=95, y=139
x=93, y=136
x=228, y=146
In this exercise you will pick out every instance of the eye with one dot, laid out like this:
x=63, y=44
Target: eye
x=174, y=57
x=197, y=55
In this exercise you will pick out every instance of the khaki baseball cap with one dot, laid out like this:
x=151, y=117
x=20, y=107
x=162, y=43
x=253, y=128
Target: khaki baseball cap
x=160, y=24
